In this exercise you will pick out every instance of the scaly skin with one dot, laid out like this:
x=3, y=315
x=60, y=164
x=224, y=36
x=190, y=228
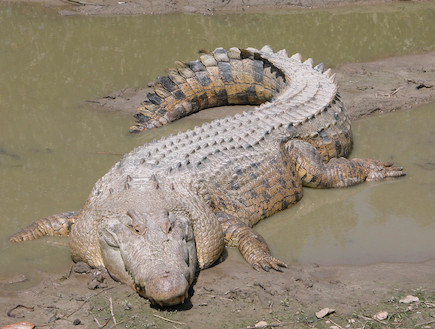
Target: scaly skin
x=172, y=204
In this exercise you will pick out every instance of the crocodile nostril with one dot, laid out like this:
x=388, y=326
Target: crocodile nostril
x=167, y=288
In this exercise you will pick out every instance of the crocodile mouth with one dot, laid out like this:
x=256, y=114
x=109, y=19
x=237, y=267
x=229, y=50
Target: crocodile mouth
x=165, y=289
x=176, y=300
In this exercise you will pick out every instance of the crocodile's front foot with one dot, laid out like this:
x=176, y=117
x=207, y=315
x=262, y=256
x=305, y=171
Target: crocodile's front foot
x=256, y=252
x=378, y=170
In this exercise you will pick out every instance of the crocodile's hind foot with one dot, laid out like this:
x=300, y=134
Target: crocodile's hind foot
x=379, y=170
x=338, y=172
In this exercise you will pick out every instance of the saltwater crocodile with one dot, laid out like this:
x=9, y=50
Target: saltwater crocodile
x=173, y=204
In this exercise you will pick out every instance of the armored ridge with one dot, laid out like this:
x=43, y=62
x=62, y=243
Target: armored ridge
x=299, y=110
x=232, y=77
x=173, y=204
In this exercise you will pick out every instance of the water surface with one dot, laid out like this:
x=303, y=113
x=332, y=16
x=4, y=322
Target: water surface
x=390, y=221
x=54, y=145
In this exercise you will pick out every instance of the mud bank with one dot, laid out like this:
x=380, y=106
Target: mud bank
x=387, y=85
x=147, y=7
x=232, y=295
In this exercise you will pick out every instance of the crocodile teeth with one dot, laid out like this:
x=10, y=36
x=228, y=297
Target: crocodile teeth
x=297, y=57
x=319, y=67
x=309, y=62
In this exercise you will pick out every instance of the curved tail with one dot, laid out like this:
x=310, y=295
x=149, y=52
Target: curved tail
x=54, y=225
x=222, y=77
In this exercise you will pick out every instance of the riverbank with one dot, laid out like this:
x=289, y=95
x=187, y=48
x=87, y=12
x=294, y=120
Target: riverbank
x=386, y=85
x=154, y=7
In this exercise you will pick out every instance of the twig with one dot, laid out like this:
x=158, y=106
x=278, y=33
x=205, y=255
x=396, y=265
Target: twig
x=395, y=91
x=105, y=324
x=370, y=319
x=84, y=3
x=424, y=323
x=96, y=320
x=272, y=325
x=389, y=94
x=111, y=312
x=9, y=313
x=87, y=299
x=334, y=323
x=84, y=302
x=98, y=323
x=68, y=274
x=231, y=300
x=172, y=321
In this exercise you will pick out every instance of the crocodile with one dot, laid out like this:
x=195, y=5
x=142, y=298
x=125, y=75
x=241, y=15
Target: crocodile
x=168, y=208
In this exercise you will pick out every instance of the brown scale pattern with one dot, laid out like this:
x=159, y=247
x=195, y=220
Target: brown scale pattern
x=221, y=78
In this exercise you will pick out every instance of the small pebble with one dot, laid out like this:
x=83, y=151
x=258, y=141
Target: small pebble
x=76, y=322
x=261, y=324
x=19, y=325
x=380, y=315
x=81, y=268
x=17, y=279
x=324, y=312
x=409, y=299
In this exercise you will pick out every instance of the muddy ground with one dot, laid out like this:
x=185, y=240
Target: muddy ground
x=209, y=7
x=231, y=294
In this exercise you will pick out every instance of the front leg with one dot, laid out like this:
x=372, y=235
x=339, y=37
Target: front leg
x=338, y=172
x=251, y=245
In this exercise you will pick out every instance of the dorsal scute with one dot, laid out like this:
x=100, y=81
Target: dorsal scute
x=303, y=94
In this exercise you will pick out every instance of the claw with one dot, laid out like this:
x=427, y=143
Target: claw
x=267, y=262
x=281, y=264
x=276, y=267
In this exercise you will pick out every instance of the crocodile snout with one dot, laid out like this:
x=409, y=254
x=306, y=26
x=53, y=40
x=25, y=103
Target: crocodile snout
x=165, y=289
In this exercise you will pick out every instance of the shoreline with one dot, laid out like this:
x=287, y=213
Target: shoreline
x=212, y=7
x=382, y=86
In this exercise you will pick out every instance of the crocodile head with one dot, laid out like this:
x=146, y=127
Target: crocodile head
x=151, y=250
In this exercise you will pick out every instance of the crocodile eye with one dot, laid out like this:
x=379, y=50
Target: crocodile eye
x=135, y=222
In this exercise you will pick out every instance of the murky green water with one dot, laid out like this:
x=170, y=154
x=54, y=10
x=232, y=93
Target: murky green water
x=54, y=146
x=390, y=221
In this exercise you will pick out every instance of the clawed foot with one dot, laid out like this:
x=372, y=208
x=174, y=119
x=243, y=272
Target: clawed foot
x=256, y=252
x=266, y=262
x=379, y=170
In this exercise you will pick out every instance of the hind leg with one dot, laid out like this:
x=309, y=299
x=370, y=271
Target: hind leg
x=338, y=172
